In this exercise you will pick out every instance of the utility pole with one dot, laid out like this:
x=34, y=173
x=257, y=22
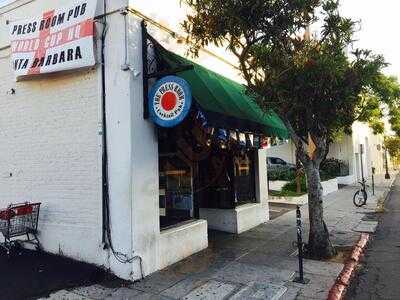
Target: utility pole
x=298, y=174
x=361, y=161
x=387, y=175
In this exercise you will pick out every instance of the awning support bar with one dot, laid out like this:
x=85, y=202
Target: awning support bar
x=147, y=76
x=170, y=71
x=145, y=70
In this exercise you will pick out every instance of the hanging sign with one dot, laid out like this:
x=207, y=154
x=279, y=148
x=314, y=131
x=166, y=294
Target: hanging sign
x=59, y=39
x=312, y=148
x=169, y=101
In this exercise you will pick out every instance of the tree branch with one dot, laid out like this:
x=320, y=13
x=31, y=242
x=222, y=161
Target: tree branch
x=297, y=141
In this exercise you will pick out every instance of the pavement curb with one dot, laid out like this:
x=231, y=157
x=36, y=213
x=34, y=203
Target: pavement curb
x=338, y=290
x=380, y=205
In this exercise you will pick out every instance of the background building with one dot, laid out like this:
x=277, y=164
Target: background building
x=347, y=149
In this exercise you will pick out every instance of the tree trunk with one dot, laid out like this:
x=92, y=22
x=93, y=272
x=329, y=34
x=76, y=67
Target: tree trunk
x=319, y=245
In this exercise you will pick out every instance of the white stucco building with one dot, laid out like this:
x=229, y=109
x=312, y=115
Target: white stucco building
x=347, y=149
x=52, y=151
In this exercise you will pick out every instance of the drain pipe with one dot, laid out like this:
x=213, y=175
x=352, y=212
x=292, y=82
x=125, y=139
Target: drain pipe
x=106, y=222
x=105, y=190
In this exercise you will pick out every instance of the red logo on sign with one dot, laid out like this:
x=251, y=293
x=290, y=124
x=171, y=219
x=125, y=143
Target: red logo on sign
x=168, y=101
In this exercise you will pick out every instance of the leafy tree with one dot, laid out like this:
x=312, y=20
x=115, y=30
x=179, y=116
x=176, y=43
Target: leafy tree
x=392, y=144
x=315, y=84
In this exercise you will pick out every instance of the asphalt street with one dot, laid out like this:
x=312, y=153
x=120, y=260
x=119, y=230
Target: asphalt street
x=379, y=277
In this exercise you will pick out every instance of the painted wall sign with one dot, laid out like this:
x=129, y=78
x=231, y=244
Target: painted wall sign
x=169, y=101
x=59, y=39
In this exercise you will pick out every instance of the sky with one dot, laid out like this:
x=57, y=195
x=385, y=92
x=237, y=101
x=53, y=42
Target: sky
x=380, y=21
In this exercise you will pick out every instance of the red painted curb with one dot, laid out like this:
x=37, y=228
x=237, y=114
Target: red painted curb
x=338, y=290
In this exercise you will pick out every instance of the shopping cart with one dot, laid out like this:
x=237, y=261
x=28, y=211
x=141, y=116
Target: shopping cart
x=18, y=224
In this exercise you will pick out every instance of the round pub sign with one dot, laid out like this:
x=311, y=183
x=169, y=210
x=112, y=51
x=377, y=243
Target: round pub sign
x=169, y=101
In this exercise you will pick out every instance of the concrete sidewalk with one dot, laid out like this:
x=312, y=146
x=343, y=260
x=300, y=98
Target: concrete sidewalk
x=258, y=264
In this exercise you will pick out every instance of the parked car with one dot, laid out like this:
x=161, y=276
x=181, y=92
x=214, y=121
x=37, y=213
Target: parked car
x=278, y=163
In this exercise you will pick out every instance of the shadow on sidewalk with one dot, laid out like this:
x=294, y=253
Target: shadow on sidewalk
x=32, y=274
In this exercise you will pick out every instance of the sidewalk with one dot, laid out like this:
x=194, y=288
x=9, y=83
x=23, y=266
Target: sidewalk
x=258, y=264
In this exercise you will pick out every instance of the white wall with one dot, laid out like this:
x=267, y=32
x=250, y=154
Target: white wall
x=119, y=112
x=286, y=151
x=176, y=243
x=171, y=14
x=50, y=149
x=52, y=144
x=342, y=149
x=261, y=178
x=157, y=249
x=144, y=180
x=372, y=157
x=346, y=149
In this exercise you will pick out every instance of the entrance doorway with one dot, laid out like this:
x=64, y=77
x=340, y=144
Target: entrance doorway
x=196, y=170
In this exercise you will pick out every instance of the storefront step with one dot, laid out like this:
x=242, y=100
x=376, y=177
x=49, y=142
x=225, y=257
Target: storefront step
x=181, y=241
x=238, y=220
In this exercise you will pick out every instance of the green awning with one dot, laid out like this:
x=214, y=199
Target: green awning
x=224, y=101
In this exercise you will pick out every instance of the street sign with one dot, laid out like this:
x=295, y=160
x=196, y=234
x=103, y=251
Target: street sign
x=311, y=147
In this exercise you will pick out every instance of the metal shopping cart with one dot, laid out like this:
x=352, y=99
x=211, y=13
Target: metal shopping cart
x=18, y=221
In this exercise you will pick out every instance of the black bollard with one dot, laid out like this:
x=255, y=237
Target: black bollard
x=301, y=278
x=373, y=181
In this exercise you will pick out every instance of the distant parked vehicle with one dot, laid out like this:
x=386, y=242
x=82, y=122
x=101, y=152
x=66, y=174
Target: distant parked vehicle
x=278, y=163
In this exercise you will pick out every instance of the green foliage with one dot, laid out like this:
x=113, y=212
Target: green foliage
x=313, y=83
x=292, y=185
x=388, y=89
x=334, y=168
x=324, y=175
x=330, y=168
x=282, y=173
x=285, y=193
x=392, y=144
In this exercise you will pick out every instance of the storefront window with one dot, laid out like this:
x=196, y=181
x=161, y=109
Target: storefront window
x=226, y=180
x=194, y=174
x=175, y=183
x=215, y=181
x=176, y=195
x=244, y=178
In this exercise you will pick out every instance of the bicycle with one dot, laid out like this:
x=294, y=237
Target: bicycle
x=360, y=197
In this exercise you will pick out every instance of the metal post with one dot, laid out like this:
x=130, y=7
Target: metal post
x=145, y=70
x=301, y=278
x=387, y=175
x=373, y=181
x=298, y=177
x=361, y=161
